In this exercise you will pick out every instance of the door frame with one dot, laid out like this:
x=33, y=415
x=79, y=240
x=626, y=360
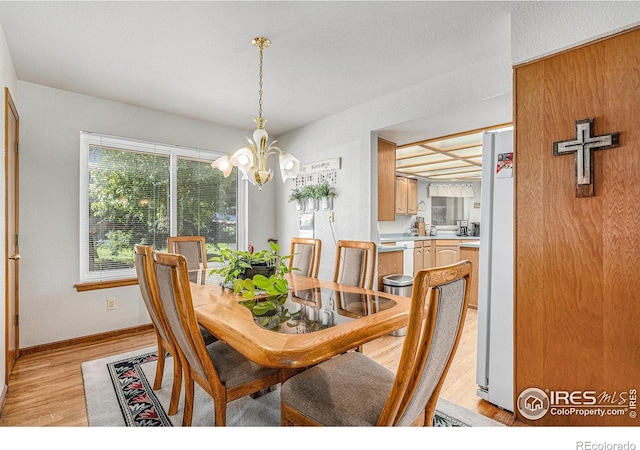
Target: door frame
x=11, y=177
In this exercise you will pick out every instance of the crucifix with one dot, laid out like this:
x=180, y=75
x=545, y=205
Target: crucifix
x=583, y=146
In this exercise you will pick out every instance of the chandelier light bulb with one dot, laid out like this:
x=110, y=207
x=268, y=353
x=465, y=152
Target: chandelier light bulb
x=243, y=160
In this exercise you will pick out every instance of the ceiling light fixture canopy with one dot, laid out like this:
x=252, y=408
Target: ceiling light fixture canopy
x=251, y=160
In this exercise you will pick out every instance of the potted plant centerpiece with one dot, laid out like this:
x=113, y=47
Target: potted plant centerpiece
x=259, y=277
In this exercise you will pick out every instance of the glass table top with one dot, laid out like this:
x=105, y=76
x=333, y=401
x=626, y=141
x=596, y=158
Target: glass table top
x=314, y=309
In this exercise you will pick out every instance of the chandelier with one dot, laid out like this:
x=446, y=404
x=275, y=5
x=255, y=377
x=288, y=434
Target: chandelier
x=252, y=159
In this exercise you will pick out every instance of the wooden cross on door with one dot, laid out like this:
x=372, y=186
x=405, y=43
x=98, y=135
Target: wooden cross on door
x=583, y=146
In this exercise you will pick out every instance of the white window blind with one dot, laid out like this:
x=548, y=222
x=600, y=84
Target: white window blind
x=137, y=192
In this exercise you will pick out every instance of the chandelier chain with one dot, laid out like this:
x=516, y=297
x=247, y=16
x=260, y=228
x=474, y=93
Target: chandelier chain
x=260, y=88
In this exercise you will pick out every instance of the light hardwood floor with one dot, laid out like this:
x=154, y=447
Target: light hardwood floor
x=45, y=388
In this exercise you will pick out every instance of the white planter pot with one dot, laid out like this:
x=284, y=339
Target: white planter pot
x=327, y=203
x=312, y=204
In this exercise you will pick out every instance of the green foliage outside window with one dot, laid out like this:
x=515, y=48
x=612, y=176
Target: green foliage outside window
x=129, y=203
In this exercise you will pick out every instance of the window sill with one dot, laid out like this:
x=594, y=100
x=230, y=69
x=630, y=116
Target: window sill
x=82, y=287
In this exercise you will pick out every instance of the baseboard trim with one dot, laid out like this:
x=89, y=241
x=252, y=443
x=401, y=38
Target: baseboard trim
x=84, y=340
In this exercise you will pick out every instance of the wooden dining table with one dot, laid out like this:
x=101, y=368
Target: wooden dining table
x=331, y=319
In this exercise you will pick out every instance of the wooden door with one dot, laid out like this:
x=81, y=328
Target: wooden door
x=11, y=237
x=577, y=290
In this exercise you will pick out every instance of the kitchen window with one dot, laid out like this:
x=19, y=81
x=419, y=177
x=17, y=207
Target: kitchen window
x=142, y=192
x=446, y=210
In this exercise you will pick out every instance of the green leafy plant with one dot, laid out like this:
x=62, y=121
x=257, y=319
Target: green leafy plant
x=297, y=195
x=236, y=262
x=310, y=191
x=325, y=190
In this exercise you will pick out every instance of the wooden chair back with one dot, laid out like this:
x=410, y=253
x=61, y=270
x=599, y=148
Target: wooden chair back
x=355, y=263
x=438, y=309
x=175, y=295
x=198, y=359
x=305, y=256
x=143, y=261
x=194, y=249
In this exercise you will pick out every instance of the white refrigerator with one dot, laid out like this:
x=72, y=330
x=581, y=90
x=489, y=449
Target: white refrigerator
x=494, y=374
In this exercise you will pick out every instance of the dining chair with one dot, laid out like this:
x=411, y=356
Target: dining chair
x=355, y=263
x=352, y=389
x=221, y=371
x=144, y=270
x=305, y=256
x=194, y=249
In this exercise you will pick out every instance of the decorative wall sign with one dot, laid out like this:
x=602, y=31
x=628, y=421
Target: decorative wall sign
x=583, y=146
x=318, y=172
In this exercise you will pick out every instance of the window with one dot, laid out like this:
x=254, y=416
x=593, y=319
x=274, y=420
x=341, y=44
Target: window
x=448, y=202
x=139, y=192
x=446, y=210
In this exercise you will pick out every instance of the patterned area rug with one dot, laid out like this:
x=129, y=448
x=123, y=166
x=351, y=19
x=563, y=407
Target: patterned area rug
x=119, y=392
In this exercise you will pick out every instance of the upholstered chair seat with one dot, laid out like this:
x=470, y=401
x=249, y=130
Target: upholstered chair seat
x=349, y=390
x=353, y=390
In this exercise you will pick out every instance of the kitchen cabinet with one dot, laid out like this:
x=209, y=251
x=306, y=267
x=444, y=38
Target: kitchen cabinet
x=418, y=257
x=386, y=180
x=471, y=254
x=406, y=196
x=422, y=255
x=446, y=252
x=427, y=255
x=389, y=263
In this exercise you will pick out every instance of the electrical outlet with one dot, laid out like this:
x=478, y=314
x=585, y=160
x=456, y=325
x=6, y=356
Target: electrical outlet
x=111, y=303
x=330, y=216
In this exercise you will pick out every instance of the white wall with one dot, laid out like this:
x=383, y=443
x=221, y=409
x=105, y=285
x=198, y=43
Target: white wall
x=51, y=120
x=352, y=136
x=7, y=79
x=541, y=28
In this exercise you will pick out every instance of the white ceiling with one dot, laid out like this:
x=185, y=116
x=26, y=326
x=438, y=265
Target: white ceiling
x=195, y=59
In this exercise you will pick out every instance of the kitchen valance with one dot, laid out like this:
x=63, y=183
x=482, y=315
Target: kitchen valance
x=450, y=190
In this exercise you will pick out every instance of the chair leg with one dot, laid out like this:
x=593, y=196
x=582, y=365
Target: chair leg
x=220, y=405
x=177, y=386
x=157, y=383
x=188, y=400
x=284, y=419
